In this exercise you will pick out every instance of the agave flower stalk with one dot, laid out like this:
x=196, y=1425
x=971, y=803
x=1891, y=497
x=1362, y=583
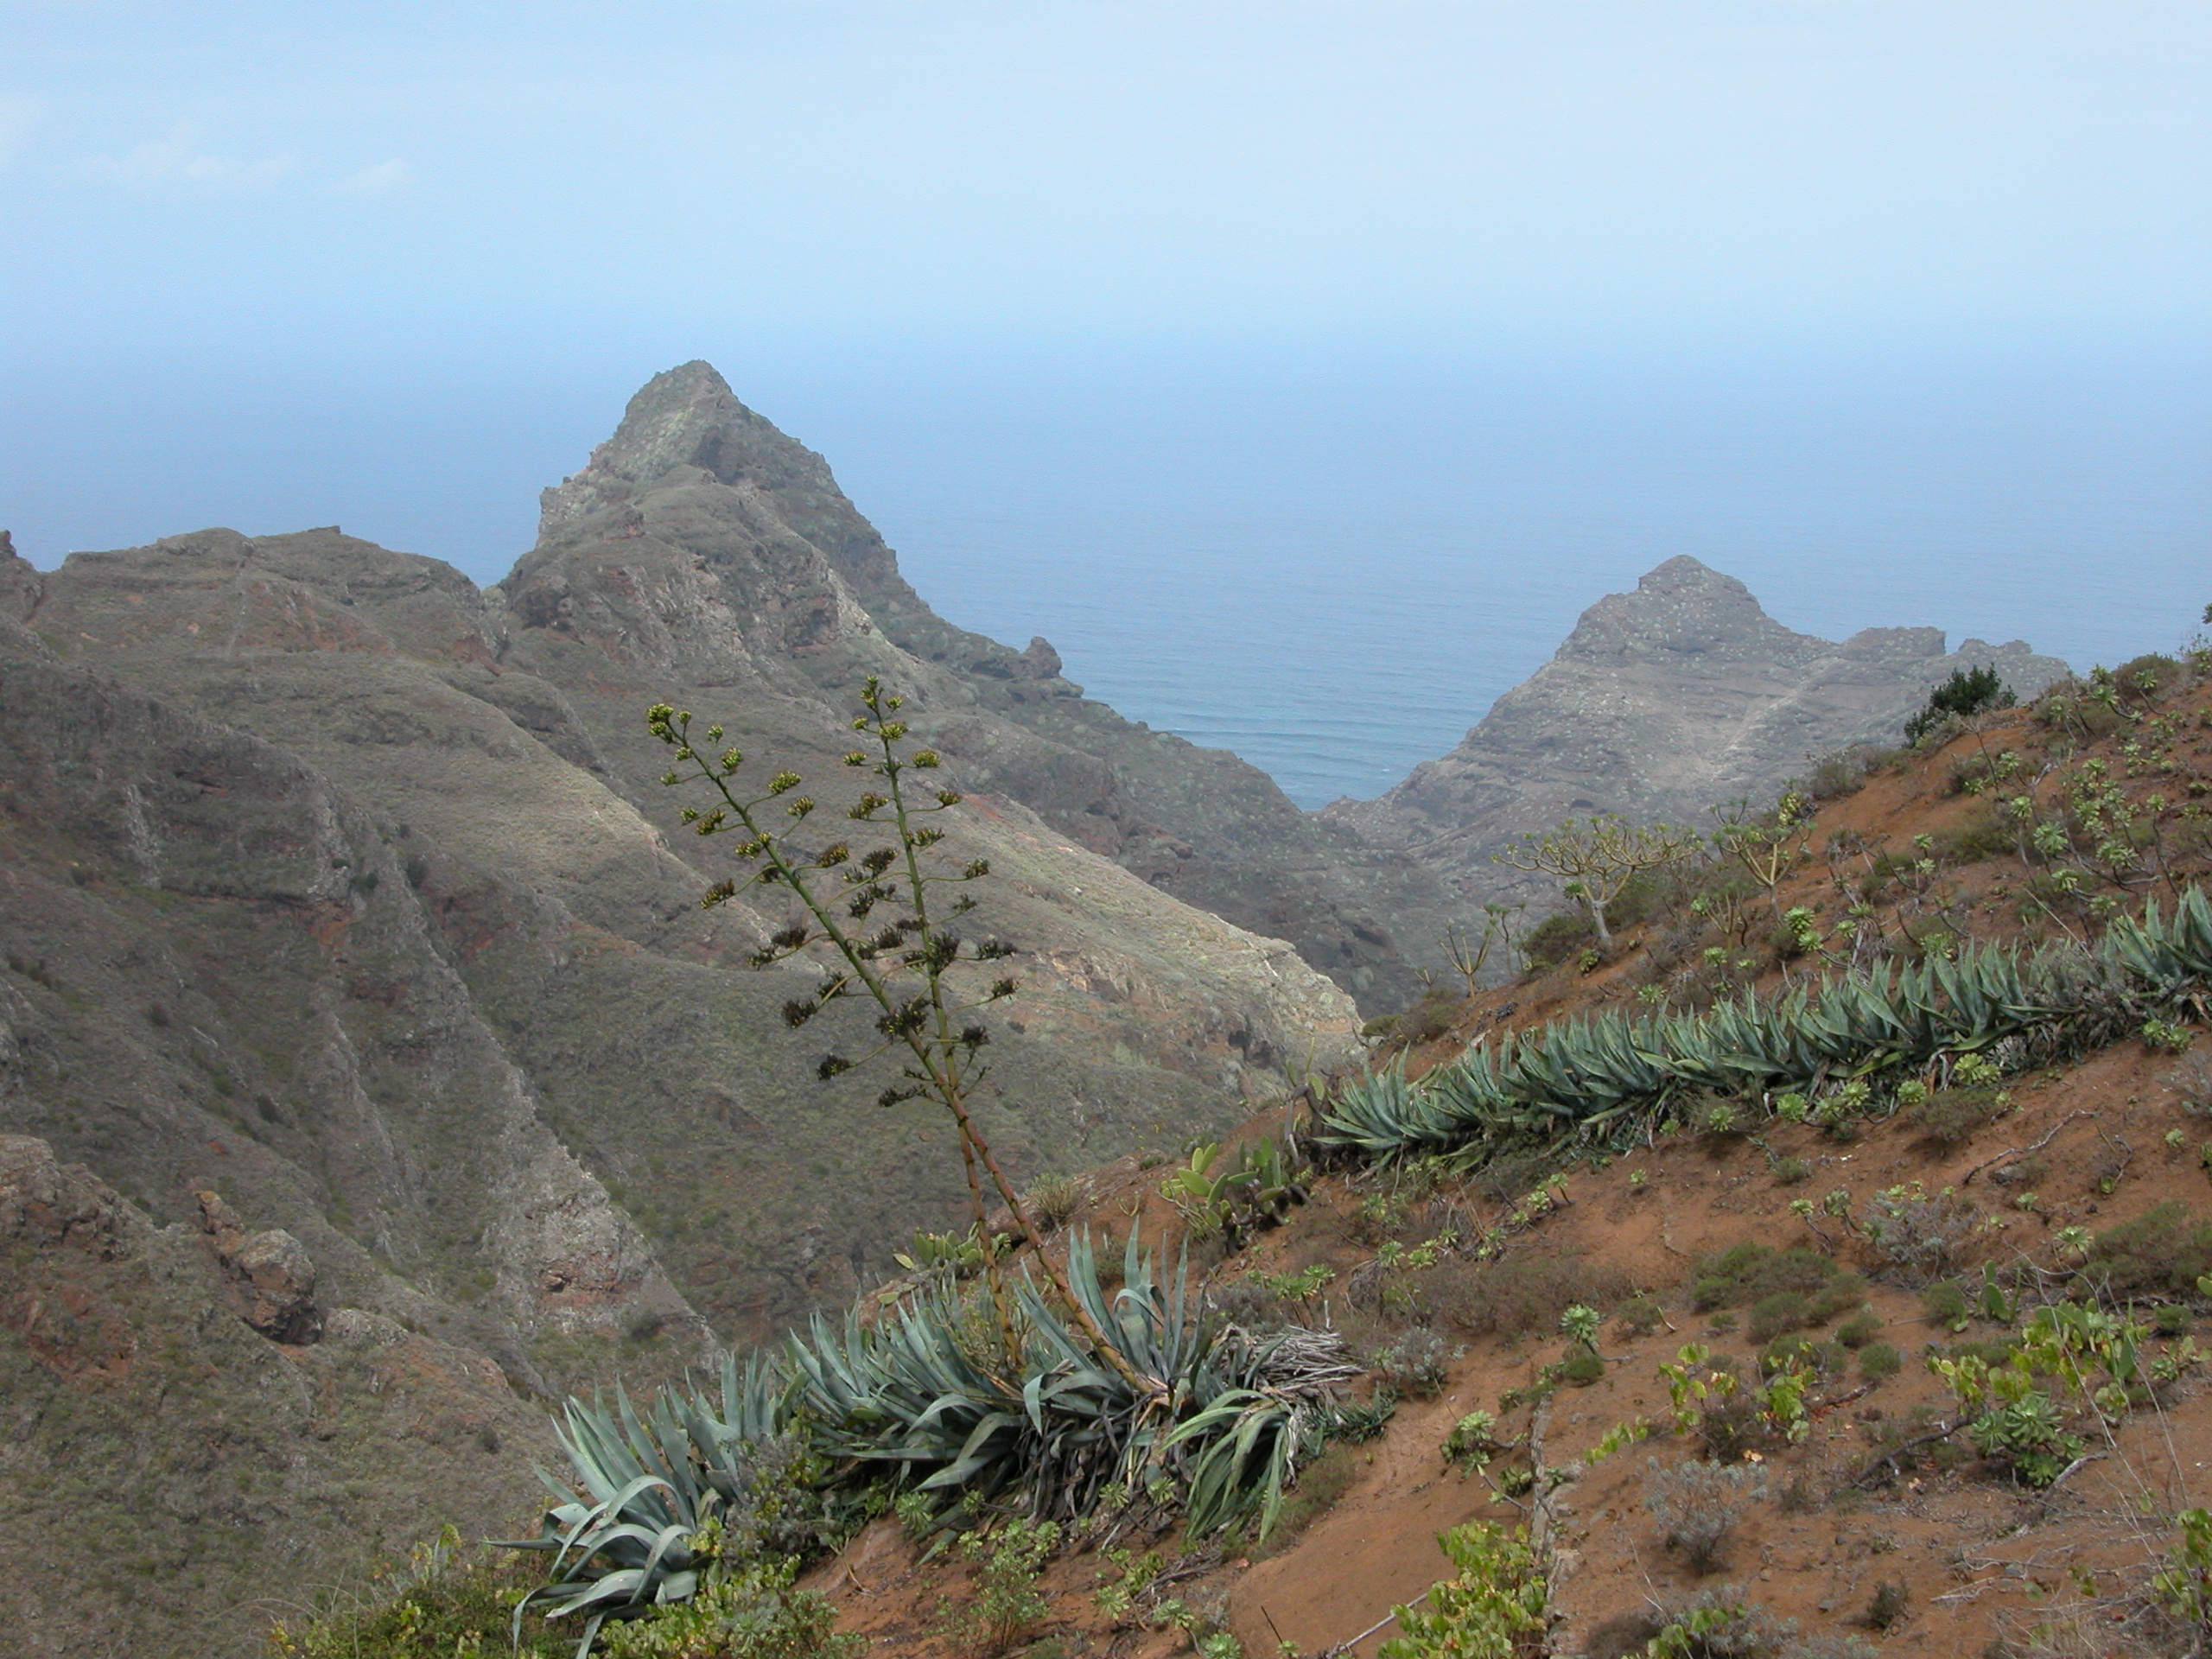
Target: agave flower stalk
x=905, y=968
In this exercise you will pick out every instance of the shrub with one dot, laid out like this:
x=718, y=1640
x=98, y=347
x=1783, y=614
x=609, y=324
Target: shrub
x=1968, y=692
x=1749, y=1273
x=1429, y=1018
x=2147, y=678
x=1724, y=1623
x=1524, y=1291
x=1009, y=1559
x=1582, y=1368
x=446, y=1599
x=1984, y=834
x=1639, y=1316
x=1697, y=1504
x=2162, y=1250
x=1842, y=771
x=1891, y=1601
x=1624, y=1636
x=1950, y=1116
x=1556, y=939
x=1777, y=1315
x=1922, y=1234
x=1053, y=1198
x=1860, y=1329
x=751, y=1613
x=1946, y=1302
x=1418, y=1365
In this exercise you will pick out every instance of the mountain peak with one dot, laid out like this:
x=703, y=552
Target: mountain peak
x=1685, y=607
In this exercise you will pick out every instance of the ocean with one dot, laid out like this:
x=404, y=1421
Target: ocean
x=1336, y=579
x=1331, y=565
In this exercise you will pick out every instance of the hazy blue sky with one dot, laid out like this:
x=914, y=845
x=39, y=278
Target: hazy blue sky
x=397, y=265
x=419, y=188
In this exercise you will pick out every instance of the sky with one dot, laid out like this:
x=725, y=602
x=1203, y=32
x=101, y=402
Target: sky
x=397, y=265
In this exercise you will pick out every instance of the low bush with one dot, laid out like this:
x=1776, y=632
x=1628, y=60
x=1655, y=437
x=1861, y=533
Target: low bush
x=749, y=1613
x=1777, y=1315
x=1698, y=1503
x=1725, y=1623
x=2162, y=1251
x=1860, y=1329
x=1923, y=1236
x=1752, y=1275
x=1639, y=1316
x=1947, y=1303
x=1950, y=1116
x=1556, y=938
x=1523, y=1291
x=1968, y=692
x=1417, y=1365
x=1843, y=771
x=2146, y=679
x=1891, y=1601
x=1984, y=835
x=450, y=1599
x=1053, y=1198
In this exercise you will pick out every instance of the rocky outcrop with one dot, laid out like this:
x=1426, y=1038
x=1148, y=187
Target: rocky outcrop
x=192, y=1466
x=1663, y=704
x=269, y=1272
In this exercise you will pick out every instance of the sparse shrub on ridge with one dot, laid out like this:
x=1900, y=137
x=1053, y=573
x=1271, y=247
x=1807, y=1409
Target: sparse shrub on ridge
x=1968, y=692
x=1417, y=1365
x=1697, y=1504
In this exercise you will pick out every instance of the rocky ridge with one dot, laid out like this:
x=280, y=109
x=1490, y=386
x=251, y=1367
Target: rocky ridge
x=1664, y=704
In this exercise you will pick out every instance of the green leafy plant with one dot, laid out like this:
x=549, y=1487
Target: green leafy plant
x=1473, y=1442
x=750, y=1611
x=1496, y=1598
x=2184, y=1584
x=1009, y=1561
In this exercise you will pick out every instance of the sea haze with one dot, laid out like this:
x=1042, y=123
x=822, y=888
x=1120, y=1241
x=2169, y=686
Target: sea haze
x=1331, y=565
x=1335, y=576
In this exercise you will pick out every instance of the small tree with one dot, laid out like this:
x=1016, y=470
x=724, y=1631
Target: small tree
x=1469, y=957
x=1769, y=845
x=904, y=965
x=1595, y=857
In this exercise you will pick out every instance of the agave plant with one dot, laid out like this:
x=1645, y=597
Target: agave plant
x=1604, y=1078
x=915, y=1402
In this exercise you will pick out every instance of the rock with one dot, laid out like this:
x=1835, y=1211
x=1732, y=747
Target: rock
x=46, y=1204
x=269, y=1273
x=1660, y=705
